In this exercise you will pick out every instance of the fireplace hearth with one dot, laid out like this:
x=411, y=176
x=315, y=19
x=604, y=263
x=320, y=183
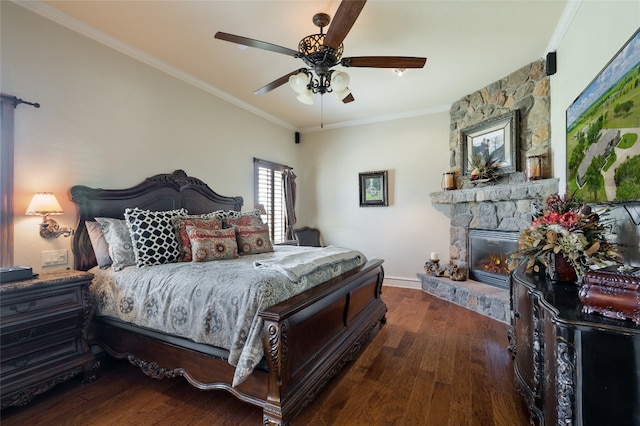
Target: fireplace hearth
x=489, y=252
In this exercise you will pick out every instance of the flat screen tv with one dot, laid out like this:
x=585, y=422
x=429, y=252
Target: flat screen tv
x=603, y=132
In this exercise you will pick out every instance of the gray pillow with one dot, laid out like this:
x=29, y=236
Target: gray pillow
x=99, y=243
x=120, y=247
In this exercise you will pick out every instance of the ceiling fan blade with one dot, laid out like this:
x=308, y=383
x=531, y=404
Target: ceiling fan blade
x=342, y=22
x=255, y=43
x=275, y=83
x=348, y=98
x=384, y=62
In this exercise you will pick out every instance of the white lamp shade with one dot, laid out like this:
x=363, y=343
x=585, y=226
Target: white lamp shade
x=339, y=81
x=306, y=97
x=299, y=82
x=44, y=203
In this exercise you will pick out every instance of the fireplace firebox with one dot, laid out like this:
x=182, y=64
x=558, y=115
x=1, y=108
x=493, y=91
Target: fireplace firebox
x=489, y=252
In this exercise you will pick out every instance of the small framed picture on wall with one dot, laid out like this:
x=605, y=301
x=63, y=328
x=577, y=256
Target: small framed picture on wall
x=373, y=189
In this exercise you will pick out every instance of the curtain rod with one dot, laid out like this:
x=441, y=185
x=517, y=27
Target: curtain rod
x=17, y=101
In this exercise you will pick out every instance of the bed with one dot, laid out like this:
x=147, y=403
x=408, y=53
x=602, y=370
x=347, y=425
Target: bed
x=306, y=339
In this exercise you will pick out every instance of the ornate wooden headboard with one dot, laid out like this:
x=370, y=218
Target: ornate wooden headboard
x=160, y=192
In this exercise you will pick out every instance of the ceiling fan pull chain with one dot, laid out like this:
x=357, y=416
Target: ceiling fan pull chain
x=321, y=111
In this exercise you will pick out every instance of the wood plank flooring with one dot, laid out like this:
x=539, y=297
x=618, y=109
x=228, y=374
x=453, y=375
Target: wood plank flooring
x=432, y=363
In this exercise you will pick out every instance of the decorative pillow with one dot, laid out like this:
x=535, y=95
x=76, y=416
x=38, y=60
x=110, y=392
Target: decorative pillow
x=99, y=243
x=116, y=233
x=226, y=215
x=244, y=220
x=207, y=244
x=153, y=236
x=253, y=239
x=180, y=224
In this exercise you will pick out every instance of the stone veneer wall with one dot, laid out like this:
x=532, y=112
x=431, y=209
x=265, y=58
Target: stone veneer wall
x=525, y=90
x=504, y=207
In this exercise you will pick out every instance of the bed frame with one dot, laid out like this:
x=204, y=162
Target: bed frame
x=307, y=339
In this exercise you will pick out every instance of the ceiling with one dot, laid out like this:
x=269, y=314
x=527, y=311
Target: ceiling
x=468, y=44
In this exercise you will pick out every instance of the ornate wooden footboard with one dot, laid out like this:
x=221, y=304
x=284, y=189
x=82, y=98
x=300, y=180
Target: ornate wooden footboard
x=307, y=338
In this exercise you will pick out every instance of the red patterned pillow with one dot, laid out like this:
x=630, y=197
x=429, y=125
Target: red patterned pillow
x=253, y=239
x=207, y=244
x=181, y=223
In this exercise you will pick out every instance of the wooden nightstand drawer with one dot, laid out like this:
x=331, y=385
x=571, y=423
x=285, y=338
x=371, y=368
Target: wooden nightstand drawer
x=23, y=333
x=50, y=352
x=28, y=305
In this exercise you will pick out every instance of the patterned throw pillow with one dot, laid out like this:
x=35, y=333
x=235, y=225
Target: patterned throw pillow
x=253, y=239
x=153, y=236
x=229, y=216
x=116, y=233
x=244, y=220
x=209, y=244
x=180, y=224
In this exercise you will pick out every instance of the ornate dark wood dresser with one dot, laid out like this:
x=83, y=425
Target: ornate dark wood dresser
x=43, y=330
x=572, y=368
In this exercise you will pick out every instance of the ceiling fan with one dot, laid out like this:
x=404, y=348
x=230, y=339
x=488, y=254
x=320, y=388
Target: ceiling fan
x=321, y=52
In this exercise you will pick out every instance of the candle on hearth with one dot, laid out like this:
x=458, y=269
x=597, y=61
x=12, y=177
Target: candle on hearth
x=434, y=256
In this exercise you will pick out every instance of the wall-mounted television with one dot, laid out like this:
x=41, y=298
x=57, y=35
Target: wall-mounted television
x=603, y=132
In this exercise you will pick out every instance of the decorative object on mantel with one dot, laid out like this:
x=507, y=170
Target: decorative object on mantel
x=567, y=231
x=449, y=180
x=483, y=169
x=534, y=167
x=452, y=271
x=613, y=291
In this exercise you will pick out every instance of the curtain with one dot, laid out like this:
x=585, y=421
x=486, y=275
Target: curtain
x=6, y=177
x=290, y=200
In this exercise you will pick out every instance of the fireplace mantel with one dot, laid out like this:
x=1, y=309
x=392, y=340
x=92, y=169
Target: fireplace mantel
x=502, y=192
x=504, y=206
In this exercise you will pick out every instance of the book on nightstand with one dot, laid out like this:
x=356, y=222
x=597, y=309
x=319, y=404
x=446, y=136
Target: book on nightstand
x=15, y=273
x=613, y=292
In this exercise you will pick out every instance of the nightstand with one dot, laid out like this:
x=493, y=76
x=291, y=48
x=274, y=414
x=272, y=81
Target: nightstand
x=43, y=331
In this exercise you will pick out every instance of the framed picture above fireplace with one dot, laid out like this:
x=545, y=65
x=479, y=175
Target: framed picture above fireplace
x=603, y=136
x=492, y=142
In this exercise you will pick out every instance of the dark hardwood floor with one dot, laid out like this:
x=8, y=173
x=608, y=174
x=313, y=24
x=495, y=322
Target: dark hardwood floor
x=432, y=363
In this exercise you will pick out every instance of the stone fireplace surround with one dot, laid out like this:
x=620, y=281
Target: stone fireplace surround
x=510, y=207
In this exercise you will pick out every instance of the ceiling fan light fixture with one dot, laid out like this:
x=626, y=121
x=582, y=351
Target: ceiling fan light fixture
x=305, y=97
x=339, y=81
x=299, y=82
x=399, y=71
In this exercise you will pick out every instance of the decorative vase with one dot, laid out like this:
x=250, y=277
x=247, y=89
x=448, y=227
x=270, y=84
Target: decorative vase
x=560, y=270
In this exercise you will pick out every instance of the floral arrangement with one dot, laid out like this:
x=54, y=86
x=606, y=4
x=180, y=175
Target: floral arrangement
x=569, y=228
x=483, y=168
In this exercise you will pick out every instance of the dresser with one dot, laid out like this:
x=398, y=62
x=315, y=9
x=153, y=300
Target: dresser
x=572, y=368
x=43, y=331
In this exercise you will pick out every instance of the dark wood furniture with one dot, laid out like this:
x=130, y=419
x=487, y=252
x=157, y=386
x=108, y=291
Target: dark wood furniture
x=43, y=328
x=307, y=339
x=307, y=236
x=572, y=368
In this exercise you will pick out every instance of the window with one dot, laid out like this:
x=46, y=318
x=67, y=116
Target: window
x=269, y=193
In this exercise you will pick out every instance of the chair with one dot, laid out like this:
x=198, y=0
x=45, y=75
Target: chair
x=307, y=236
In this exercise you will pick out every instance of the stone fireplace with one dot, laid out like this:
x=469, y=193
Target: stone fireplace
x=507, y=204
x=504, y=207
x=507, y=207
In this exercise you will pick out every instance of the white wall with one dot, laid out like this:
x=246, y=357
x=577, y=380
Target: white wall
x=109, y=120
x=415, y=151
